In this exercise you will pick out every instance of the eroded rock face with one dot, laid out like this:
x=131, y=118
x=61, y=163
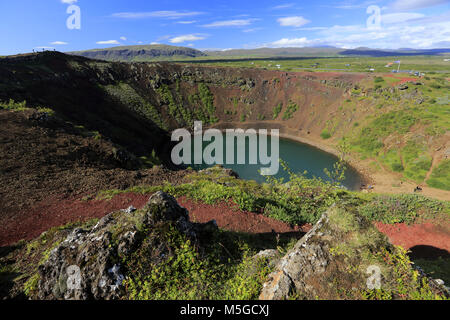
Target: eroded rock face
x=87, y=264
x=309, y=258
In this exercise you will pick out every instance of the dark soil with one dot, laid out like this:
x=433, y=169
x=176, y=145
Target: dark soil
x=44, y=166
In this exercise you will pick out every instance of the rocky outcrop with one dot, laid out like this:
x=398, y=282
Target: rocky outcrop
x=345, y=257
x=88, y=263
x=309, y=258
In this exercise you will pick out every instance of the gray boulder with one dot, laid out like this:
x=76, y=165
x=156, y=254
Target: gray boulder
x=87, y=264
x=309, y=258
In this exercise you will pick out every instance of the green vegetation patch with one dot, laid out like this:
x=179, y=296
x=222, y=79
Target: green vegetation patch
x=440, y=177
x=417, y=161
x=290, y=110
x=277, y=110
x=325, y=134
x=370, y=138
x=393, y=160
x=128, y=96
x=12, y=105
x=404, y=208
x=223, y=269
x=176, y=110
x=358, y=247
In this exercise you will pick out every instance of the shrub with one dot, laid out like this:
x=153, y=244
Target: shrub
x=277, y=110
x=325, y=134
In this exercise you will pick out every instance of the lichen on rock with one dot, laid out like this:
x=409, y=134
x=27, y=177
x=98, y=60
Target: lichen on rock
x=88, y=264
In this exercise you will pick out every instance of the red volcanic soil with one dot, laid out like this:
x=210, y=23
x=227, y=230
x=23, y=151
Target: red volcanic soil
x=56, y=212
x=425, y=240
x=229, y=217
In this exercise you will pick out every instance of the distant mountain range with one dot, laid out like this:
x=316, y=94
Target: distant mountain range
x=140, y=53
x=173, y=53
x=276, y=52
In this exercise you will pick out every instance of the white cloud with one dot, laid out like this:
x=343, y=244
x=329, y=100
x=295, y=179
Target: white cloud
x=251, y=30
x=69, y=1
x=416, y=4
x=431, y=32
x=400, y=17
x=230, y=23
x=187, y=37
x=153, y=43
x=186, y=22
x=295, y=42
x=123, y=38
x=283, y=6
x=59, y=43
x=296, y=21
x=108, y=42
x=391, y=36
x=312, y=28
x=156, y=14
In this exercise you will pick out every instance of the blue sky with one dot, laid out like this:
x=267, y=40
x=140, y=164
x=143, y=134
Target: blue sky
x=224, y=24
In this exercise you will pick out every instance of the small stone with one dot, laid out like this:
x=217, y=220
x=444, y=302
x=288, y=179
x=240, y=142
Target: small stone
x=130, y=209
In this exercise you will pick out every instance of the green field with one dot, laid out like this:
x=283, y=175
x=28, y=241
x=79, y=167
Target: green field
x=344, y=64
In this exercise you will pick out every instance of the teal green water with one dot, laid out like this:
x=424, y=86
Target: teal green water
x=299, y=157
